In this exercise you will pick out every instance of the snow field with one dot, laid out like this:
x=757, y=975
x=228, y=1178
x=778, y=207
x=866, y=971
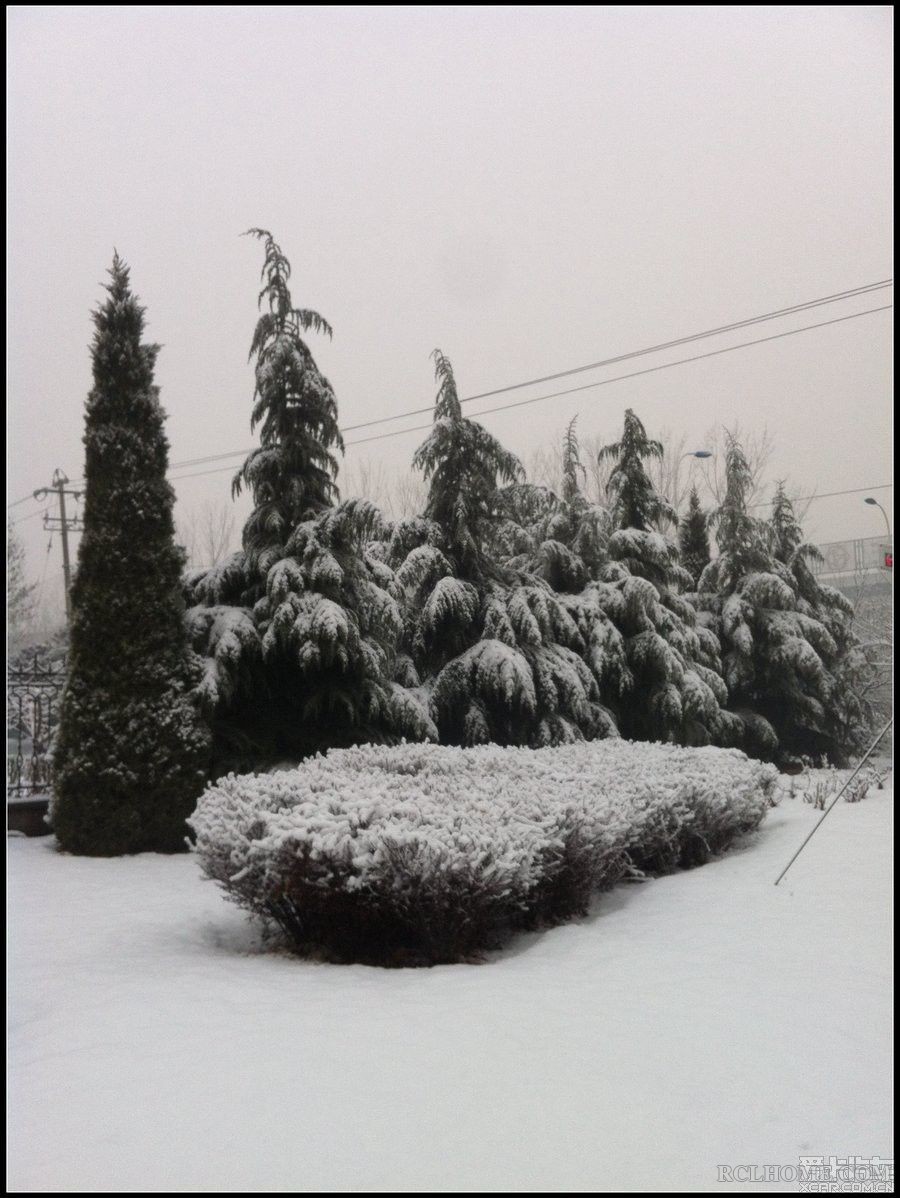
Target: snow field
x=706, y=1018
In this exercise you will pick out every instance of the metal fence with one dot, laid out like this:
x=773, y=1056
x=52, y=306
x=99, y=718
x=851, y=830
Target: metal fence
x=34, y=687
x=855, y=557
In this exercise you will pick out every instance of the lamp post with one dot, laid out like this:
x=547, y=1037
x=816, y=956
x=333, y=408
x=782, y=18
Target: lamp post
x=700, y=454
x=887, y=557
x=875, y=503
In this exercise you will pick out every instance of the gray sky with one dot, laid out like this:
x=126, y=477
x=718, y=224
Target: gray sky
x=529, y=189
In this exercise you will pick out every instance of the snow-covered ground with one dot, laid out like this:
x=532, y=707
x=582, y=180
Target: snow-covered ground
x=702, y=1019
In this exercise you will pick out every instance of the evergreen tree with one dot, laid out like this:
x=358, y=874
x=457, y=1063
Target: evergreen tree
x=693, y=538
x=676, y=691
x=491, y=648
x=131, y=752
x=463, y=465
x=765, y=604
x=561, y=539
x=291, y=476
x=634, y=501
x=298, y=629
x=849, y=718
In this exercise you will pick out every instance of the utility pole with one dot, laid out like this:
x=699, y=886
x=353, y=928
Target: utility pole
x=64, y=525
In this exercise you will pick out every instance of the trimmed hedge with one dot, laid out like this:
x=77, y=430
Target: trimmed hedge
x=419, y=854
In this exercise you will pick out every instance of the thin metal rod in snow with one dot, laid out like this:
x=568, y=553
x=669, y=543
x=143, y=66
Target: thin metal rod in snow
x=868, y=753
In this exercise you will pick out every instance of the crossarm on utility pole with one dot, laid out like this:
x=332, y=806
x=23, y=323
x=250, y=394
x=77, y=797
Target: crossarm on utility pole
x=64, y=527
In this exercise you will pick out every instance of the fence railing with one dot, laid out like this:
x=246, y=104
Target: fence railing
x=34, y=686
x=857, y=556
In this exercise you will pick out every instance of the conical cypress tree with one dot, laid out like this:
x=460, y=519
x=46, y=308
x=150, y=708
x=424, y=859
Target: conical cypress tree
x=131, y=751
x=693, y=538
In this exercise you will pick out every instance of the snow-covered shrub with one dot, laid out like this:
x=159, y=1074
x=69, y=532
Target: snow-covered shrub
x=416, y=854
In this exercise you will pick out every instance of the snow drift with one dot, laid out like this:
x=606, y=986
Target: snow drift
x=418, y=854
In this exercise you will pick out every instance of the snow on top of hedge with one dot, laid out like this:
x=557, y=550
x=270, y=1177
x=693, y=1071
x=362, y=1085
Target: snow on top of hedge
x=377, y=816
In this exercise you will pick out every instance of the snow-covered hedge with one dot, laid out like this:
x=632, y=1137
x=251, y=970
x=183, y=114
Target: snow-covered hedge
x=418, y=854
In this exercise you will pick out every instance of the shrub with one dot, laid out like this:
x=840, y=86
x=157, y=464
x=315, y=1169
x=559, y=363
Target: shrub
x=417, y=854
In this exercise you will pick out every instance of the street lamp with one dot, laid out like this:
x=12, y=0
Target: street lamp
x=875, y=503
x=701, y=454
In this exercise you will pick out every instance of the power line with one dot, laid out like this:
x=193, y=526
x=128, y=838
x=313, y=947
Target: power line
x=809, y=304
x=589, y=386
x=828, y=494
x=30, y=516
x=637, y=353
x=16, y=503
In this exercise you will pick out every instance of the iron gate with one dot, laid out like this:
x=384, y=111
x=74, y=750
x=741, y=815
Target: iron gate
x=34, y=685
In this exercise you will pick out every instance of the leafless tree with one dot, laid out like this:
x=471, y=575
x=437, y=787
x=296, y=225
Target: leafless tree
x=544, y=467
x=408, y=495
x=758, y=448
x=21, y=597
x=365, y=479
x=399, y=496
x=208, y=534
x=873, y=625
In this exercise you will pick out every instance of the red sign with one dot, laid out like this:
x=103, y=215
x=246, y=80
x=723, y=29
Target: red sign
x=889, y=559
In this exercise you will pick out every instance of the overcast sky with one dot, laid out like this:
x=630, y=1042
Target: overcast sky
x=530, y=189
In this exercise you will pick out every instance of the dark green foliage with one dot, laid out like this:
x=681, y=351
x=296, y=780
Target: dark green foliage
x=693, y=538
x=131, y=753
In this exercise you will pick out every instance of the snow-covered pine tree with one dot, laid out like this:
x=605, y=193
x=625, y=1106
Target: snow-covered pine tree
x=634, y=501
x=561, y=539
x=693, y=538
x=775, y=645
x=463, y=466
x=677, y=692
x=849, y=718
x=492, y=649
x=132, y=750
x=297, y=630
x=291, y=476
